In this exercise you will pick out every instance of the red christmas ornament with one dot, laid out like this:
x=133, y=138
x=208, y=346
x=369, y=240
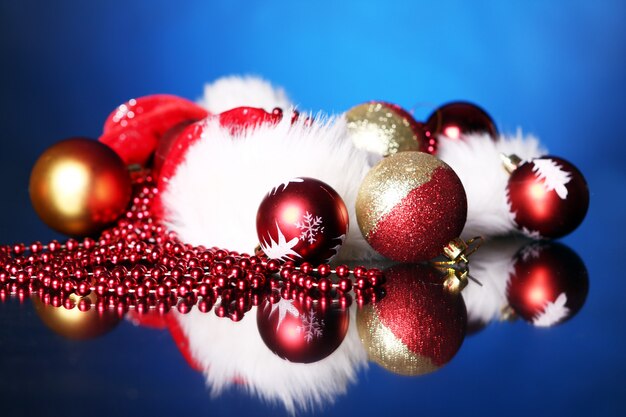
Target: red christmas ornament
x=134, y=129
x=302, y=219
x=459, y=118
x=299, y=333
x=418, y=326
x=548, y=197
x=548, y=285
x=410, y=206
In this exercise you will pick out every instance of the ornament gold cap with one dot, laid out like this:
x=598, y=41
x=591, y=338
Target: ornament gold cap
x=457, y=266
x=510, y=162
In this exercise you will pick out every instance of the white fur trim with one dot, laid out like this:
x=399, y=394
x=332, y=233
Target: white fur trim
x=213, y=197
x=229, y=92
x=476, y=160
x=492, y=265
x=230, y=351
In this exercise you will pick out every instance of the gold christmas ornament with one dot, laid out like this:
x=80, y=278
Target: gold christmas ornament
x=78, y=186
x=384, y=129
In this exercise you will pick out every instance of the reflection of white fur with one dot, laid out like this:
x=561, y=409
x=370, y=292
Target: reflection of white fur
x=214, y=195
x=229, y=92
x=492, y=265
x=476, y=160
x=552, y=313
x=234, y=354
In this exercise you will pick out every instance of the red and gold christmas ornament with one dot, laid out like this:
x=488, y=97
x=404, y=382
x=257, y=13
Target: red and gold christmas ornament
x=548, y=196
x=385, y=129
x=548, y=284
x=302, y=219
x=299, y=333
x=410, y=206
x=418, y=326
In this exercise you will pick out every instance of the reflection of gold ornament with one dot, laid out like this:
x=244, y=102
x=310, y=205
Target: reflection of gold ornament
x=410, y=205
x=417, y=327
x=78, y=186
x=76, y=324
x=384, y=129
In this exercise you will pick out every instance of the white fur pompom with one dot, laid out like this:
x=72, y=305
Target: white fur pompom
x=476, y=160
x=229, y=92
x=235, y=354
x=213, y=197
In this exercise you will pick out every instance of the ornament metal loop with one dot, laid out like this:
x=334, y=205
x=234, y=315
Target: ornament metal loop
x=456, y=267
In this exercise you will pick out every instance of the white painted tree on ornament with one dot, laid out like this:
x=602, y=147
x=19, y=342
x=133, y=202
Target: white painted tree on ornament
x=553, y=176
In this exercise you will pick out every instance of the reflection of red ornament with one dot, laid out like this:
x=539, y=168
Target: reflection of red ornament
x=302, y=219
x=418, y=326
x=456, y=119
x=410, y=206
x=549, y=283
x=548, y=197
x=300, y=334
x=133, y=129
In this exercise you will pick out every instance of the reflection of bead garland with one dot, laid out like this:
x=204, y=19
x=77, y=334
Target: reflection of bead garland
x=138, y=263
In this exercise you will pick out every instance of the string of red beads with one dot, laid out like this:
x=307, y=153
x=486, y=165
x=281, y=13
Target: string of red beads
x=139, y=264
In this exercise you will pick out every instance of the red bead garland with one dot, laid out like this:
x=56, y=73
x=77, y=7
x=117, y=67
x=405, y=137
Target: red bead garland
x=139, y=264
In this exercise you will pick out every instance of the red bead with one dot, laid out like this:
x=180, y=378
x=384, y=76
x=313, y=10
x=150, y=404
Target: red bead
x=324, y=285
x=342, y=271
x=345, y=284
x=324, y=270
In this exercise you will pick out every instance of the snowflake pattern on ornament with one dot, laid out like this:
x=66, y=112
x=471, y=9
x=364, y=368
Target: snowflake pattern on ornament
x=311, y=226
x=552, y=313
x=280, y=249
x=311, y=326
x=553, y=176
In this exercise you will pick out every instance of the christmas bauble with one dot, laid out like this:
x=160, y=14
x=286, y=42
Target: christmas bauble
x=301, y=334
x=78, y=186
x=459, y=118
x=410, y=206
x=134, y=129
x=548, y=197
x=548, y=285
x=384, y=129
x=241, y=118
x=76, y=324
x=418, y=327
x=302, y=219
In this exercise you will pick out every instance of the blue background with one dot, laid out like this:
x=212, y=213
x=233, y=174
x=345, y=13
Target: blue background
x=557, y=69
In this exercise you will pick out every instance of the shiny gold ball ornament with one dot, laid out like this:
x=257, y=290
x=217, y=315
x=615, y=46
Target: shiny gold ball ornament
x=384, y=129
x=410, y=206
x=78, y=186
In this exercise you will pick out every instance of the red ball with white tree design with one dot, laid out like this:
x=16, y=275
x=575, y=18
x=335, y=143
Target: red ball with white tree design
x=548, y=197
x=300, y=334
x=303, y=219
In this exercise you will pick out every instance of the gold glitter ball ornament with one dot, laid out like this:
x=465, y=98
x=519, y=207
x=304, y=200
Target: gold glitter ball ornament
x=385, y=129
x=410, y=206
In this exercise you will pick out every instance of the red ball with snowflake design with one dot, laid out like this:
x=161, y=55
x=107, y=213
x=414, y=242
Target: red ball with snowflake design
x=303, y=219
x=548, y=283
x=300, y=334
x=548, y=197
